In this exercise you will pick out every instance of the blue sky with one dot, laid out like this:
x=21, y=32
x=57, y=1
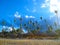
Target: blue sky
x=24, y=7
x=10, y=9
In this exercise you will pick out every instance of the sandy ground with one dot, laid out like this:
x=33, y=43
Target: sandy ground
x=28, y=42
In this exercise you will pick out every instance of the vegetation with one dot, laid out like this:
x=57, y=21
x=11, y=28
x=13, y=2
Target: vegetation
x=33, y=29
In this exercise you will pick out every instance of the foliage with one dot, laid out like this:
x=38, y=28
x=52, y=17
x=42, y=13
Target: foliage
x=58, y=32
x=33, y=29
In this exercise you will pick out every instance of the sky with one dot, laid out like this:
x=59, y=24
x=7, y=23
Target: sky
x=10, y=9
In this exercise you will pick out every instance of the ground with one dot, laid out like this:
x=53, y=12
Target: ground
x=28, y=42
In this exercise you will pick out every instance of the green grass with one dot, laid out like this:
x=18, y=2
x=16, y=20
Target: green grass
x=28, y=42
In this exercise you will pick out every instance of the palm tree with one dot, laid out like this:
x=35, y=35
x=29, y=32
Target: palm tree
x=34, y=31
x=56, y=12
x=14, y=20
x=20, y=26
x=29, y=27
x=58, y=32
x=41, y=17
x=3, y=29
x=3, y=23
x=55, y=25
x=19, y=31
x=30, y=21
x=50, y=28
x=20, y=23
x=25, y=25
x=38, y=28
x=20, y=19
x=3, y=33
x=46, y=22
x=34, y=24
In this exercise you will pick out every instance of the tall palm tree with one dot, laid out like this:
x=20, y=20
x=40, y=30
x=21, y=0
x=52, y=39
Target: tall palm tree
x=21, y=26
x=14, y=20
x=58, y=32
x=49, y=27
x=56, y=12
x=41, y=24
x=41, y=17
x=34, y=24
x=38, y=29
x=30, y=21
x=29, y=27
x=3, y=29
x=3, y=23
x=25, y=25
x=55, y=25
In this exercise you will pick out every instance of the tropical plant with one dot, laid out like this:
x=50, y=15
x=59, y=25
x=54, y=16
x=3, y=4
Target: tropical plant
x=41, y=17
x=50, y=28
x=58, y=32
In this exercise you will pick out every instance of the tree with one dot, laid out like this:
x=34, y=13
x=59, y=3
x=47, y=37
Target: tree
x=3, y=29
x=55, y=25
x=3, y=23
x=4, y=33
x=25, y=25
x=38, y=29
x=58, y=32
x=20, y=19
x=14, y=21
x=41, y=17
x=50, y=28
x=56, y=12
x=21, y=25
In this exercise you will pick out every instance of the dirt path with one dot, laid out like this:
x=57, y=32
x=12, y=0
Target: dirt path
x=28, y=42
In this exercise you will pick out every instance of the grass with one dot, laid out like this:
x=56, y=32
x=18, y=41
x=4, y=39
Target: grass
x=28, y=42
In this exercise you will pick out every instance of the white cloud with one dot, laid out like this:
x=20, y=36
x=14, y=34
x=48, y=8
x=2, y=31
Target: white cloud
x=4, y=27
x=29, y=16
x=51, y=16
x=24, y=31
x=17, y=15
x=46, y=1
x=43, y=6
x=53, y=5
x=10, y=28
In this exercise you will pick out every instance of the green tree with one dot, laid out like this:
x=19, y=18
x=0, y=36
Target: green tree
x=41, y=17
x=58, y=32
x=50, y=28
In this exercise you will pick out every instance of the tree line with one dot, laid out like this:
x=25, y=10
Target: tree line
x=33, y=29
